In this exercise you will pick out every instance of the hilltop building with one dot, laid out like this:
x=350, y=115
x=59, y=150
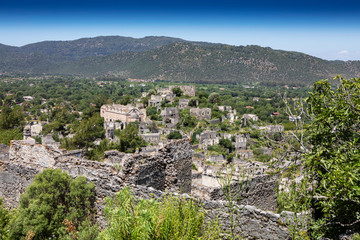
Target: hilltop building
x=122, y=113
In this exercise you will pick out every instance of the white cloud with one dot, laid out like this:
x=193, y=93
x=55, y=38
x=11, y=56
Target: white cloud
x=343, y=52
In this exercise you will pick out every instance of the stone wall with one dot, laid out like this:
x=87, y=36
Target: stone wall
x=4, y=152
x=250, y=222
x=169, y=169
x=14, y=179
x=260, y=192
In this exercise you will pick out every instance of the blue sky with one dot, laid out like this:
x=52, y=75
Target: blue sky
x=326, y=29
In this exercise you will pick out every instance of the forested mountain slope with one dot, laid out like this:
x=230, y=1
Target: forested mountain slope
x=171, y=59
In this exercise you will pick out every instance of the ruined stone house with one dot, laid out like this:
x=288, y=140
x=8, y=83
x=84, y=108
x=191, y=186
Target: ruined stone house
x=153, y=138
x=272, y=128
x=122, y=113
x=170, y=116
x=110, y=128
x=186, y=89
x=251, y=117
x=155, y=100
x=166, y=93
x=201, y=113
x=247, y=117
x=32, y=130
x=225, y=108
x=118, y=116
x=208, y=138
x=240, y=142
x=184, y=103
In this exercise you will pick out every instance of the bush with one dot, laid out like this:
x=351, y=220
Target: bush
x=4, y=220
x=10, y=134
x=174, y=135
x=177, y=91
x=52, y=198
x=129, y=140
x=334, y=158
x=170, y=218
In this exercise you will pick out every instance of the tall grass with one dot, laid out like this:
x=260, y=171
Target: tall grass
x=168, y=218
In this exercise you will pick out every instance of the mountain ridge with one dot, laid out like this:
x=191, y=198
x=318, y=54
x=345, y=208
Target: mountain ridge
x=172, y=59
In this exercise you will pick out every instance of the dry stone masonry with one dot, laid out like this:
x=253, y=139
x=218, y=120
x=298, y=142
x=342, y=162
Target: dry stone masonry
x=148, y=174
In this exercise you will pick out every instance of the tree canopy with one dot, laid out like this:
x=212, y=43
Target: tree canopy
x=334, y=161
x=52, y=198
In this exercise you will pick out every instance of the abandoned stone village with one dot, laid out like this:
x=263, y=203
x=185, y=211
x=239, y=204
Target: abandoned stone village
x=165, y=166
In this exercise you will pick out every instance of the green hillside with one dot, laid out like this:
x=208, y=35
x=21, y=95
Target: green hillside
x=171, y=59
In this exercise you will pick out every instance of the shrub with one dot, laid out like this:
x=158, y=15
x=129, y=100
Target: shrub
x=4, y=220
x=174, y=135
x=53, y=197
x=171, y=218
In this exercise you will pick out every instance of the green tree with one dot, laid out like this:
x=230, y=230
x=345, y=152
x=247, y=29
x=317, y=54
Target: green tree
x=51, y=198
x=88, y=131
x=177, y=91
x=125, y=100
x=334, y=161
x=4, y=220
x=214, y=98
x=193, y=102
x=129, y=140
x=10, y=134
x=174, y=135
x=19, y=96
x=145, y=101
x=11, y=117
x=227, y=143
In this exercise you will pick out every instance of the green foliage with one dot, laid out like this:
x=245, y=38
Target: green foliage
x=59, y=117
x=174, y=135
x=194, y=140
x=11, y=117
x=289, y=126
x=356, y=236
x=226, y=143
x=97, y=152
x=193, y=102
x=4, y=221
x=86, y=231
x=10, y=134
x=129, y=140
x=86, y=133
x=125, y=100
x=153, y=114
x=200, y=62
x=170, y=218
x=51, y=198
x=218, y=149
x=19, y=96
x=224, y=126
x=296, y=199
x=334, y=160
x=214, y=98
x=145, y=101
x=189, y=121
x=177, y=91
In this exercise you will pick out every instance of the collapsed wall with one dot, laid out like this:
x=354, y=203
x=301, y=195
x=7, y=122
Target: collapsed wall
x=169, y=169
x=259, y=191
x=149, y=175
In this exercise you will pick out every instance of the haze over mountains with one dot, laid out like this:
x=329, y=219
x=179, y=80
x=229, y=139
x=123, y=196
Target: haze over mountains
x=171, y=59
